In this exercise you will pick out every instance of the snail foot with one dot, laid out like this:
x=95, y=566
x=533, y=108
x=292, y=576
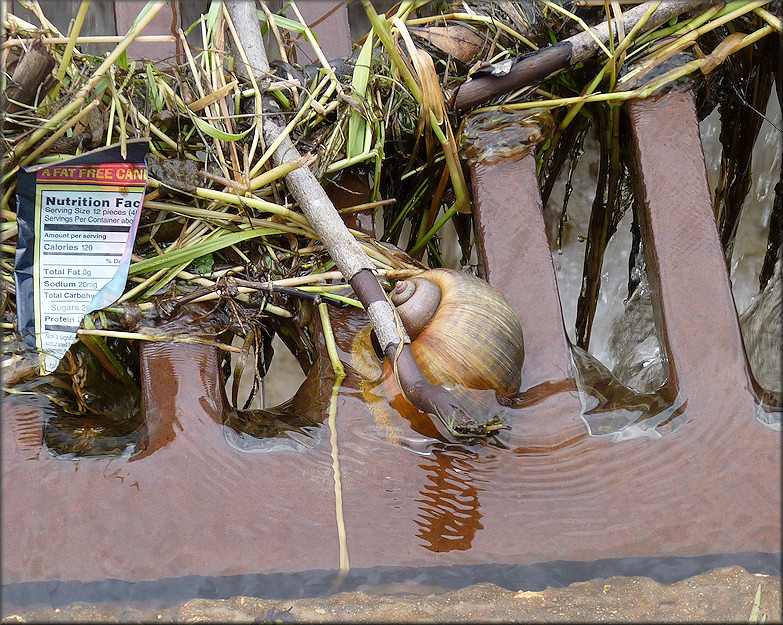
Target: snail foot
x=462, y=425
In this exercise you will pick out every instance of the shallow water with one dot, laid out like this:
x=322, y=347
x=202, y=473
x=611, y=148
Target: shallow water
x=545, y=504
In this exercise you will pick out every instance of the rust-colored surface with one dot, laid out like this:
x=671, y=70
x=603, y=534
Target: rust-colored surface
x=166, y=22
x=518, y=262
x=198, y=507
x=193, y=507
x=711, y=487
x=329, y=21
x=683, y=252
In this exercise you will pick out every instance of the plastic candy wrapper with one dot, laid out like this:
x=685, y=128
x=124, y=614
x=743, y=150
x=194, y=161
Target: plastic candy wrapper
x=77, y=222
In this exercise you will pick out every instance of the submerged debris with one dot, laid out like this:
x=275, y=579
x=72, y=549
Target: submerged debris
x=393, y=116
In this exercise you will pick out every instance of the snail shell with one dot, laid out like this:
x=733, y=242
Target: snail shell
x=463, y=332
x=416, y=301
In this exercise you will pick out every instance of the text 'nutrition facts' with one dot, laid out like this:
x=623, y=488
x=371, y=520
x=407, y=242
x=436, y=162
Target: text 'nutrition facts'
x=86, y=215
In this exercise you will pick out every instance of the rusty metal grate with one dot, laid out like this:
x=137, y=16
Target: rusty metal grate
x=181, y=512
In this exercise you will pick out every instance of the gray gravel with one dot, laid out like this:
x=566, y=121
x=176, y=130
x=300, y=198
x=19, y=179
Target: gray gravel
x=722, y=596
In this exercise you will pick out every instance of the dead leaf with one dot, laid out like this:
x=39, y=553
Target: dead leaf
x=728, y=46
x=459, y=41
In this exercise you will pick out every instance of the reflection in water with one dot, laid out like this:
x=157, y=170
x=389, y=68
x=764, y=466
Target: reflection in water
x=275, y=429
x=296, y=424
x=86, y=412
x=71, y=436
x=26, y=429
x=449, y=510
x=610, y=408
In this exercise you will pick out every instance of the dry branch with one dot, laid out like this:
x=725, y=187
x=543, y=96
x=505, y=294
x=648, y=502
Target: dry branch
x=32, y=75
x=568, y=52
x=350, y=259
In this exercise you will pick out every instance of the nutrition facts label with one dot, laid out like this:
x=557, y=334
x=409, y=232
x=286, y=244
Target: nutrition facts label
x=86, y=218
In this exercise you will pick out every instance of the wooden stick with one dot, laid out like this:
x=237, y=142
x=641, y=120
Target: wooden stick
x=566, y=53
x=346, y=252
x=30, y=73
x=16, y=41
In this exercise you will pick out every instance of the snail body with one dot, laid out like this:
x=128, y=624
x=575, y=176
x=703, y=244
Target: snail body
x=463, y=332
x=465, y=337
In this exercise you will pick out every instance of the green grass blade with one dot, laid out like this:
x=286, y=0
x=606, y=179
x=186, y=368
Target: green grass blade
x=284, y=23
x=754, y=612
x=213, y=132
x=361, y=78
x=191, y=253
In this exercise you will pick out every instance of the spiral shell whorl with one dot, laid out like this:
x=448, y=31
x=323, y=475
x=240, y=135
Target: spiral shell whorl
x=416, y=301
x=473, y=338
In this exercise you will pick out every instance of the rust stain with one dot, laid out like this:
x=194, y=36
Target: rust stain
x=196, y=506
x=518, y=262
x=164, y=23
